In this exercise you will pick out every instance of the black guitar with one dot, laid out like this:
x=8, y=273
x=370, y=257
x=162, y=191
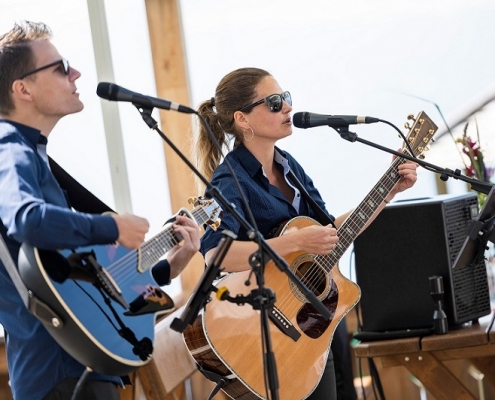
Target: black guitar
x=100, y=303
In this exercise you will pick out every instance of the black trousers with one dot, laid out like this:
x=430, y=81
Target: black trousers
x=327, y=388
x=337, y=381
x=91, y=390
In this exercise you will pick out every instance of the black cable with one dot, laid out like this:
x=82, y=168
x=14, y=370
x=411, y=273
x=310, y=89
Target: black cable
x=80, y=383
x=401, y=135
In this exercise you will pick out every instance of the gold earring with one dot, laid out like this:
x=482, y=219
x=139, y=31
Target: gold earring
x=244, y=134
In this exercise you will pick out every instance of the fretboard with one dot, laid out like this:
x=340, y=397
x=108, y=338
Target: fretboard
x=360, y=216
x=152, y=250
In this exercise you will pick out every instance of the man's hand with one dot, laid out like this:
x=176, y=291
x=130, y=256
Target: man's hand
x=132, y=230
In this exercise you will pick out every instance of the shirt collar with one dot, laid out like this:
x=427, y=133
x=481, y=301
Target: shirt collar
x=34, y=136
x=251, y=164
x=248, y=161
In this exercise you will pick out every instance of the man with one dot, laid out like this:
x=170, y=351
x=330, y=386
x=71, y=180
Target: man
x=37, y=89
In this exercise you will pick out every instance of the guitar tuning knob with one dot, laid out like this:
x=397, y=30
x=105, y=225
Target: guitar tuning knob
x=421, y=156
x=407, y=126
x=215, y=225
x=192, y=199
x=411, y=116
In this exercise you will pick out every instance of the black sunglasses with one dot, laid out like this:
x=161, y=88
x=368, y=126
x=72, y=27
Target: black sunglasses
x=63, y=62
x=274, y=101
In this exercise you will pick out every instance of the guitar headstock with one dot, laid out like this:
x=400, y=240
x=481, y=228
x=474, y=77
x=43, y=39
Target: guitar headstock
x=420, y=133
x=206, y=211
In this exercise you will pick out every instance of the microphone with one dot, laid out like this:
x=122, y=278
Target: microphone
x=310, y=120
x=113, y=92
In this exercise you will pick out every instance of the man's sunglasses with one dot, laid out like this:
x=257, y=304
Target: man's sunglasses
x=274, y=101
x=63, y=62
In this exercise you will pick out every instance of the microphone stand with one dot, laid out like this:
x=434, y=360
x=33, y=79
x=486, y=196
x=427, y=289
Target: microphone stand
x=262, y=298
x=445, y=173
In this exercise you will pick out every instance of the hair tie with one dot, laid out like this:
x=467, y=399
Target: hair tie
x=212, y=101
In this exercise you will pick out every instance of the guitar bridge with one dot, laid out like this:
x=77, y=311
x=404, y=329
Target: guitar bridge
x=282, y=323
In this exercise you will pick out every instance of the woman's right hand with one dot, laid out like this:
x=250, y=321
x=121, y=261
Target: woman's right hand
x=316, y=239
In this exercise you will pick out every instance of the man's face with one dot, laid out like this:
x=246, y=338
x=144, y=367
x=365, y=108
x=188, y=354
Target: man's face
x=53, y=92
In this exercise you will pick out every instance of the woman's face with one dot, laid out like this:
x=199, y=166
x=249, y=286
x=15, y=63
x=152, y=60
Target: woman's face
x=268, y=125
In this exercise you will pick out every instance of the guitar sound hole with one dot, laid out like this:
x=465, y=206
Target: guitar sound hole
x=312, y=276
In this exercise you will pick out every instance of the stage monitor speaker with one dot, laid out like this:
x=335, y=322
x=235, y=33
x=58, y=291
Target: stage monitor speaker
x=407, y=243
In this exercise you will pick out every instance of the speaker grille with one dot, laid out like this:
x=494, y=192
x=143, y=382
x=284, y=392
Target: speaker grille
x=457, y=217
x=406, y=244
x=469, y=284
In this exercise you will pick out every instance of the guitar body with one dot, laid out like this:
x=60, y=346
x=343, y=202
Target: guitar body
x=89, y=329
x=100, y=303
x=232, y=333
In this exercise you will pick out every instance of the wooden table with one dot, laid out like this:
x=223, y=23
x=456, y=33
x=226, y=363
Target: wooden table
x=424, y=357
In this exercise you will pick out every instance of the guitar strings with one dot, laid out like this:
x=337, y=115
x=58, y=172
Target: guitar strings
x=347, y=233
x=148, y=254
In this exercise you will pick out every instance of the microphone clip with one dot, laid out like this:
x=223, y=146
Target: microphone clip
x=346, y=134
x=146, y=115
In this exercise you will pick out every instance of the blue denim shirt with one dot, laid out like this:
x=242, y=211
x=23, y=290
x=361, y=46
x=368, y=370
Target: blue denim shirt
x=268, y=205
x=34, y=209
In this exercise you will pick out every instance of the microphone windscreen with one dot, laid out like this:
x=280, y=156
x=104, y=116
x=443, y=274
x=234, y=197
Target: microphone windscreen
x=298, y=120
x=103, y=90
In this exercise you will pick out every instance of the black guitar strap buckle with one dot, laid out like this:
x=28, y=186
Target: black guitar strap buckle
x=43, y=312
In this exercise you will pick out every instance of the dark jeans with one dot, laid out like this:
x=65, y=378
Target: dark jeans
x=91, y=390
x=327, y=388
x=337, y=381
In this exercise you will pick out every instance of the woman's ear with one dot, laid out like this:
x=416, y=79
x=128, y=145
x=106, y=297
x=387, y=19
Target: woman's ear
x=241, y=120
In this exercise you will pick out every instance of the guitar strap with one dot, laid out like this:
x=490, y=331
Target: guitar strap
x=80, y=199
x=14, y=274
x=321, y=216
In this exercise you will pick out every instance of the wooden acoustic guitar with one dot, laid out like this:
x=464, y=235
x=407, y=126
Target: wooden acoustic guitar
x=226, y=338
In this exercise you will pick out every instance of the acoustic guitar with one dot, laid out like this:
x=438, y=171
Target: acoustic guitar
x=100, y=303
x=226, y=338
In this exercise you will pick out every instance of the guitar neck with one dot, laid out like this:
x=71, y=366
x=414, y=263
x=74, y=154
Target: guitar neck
x=419, y=136
x=152, y=250
x=360, y=216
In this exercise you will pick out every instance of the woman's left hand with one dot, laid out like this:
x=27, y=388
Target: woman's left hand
x=180, y=255
x=408, y=172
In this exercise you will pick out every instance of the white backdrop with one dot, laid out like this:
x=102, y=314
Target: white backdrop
x=355, y=57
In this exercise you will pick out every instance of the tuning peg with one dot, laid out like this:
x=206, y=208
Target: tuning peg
x=411, y=116
x=192, y=199
x=421, y=156
x=215, y=224
x=407, y=126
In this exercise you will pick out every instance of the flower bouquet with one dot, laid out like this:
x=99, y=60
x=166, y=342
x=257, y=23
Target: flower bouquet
x=474, y=163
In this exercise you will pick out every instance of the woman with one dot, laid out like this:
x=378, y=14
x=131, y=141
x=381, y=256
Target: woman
x=252, y=109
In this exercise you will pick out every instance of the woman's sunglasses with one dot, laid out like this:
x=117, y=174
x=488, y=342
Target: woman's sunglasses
x=274, y=101
x=64, y=65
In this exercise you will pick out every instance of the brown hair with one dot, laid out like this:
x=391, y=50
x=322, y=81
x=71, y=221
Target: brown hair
x=236, y=90
x=17, y=58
